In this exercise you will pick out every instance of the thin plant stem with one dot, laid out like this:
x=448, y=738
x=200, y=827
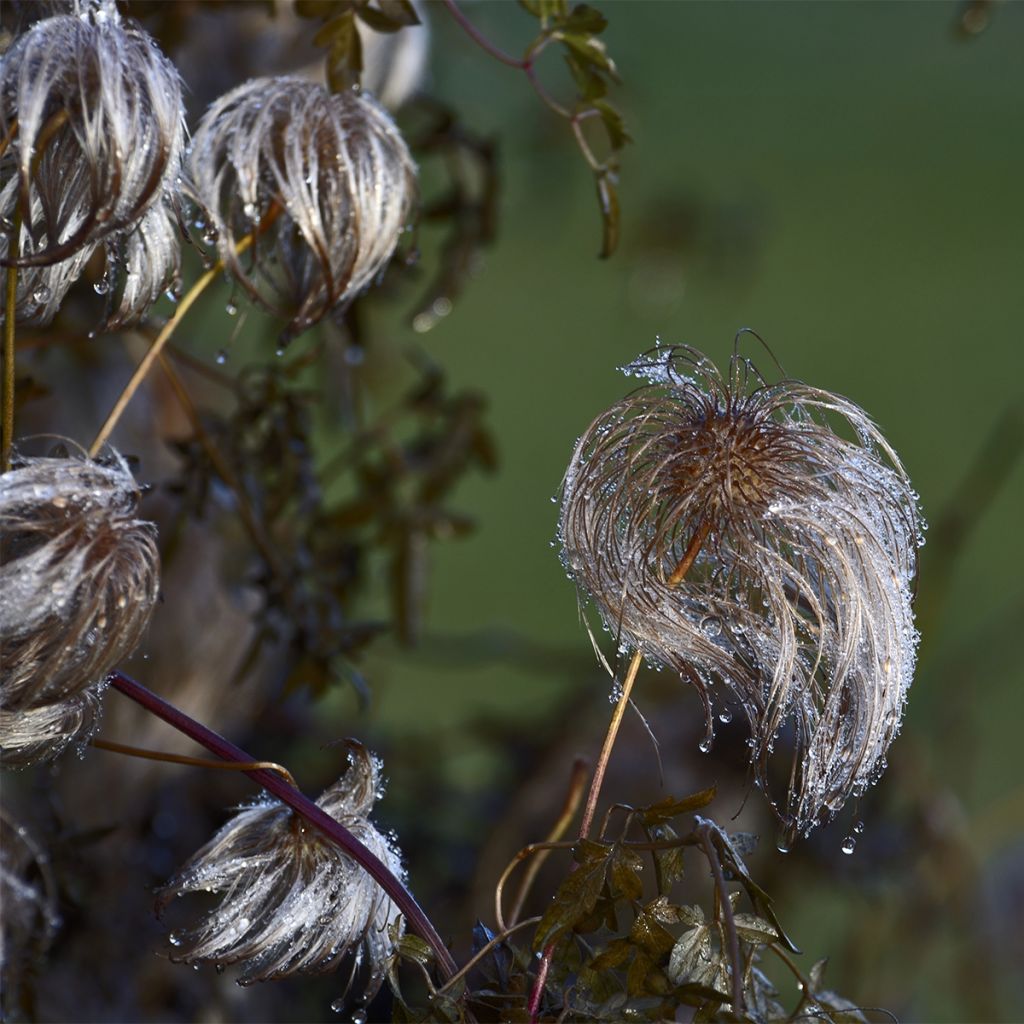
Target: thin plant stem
x=609, y=743
x=481, y=40
x=195, y=762
x=685, y=563
x=730, y=922
x=577, y=780
x=416, y=919
x=10, y=306
x=481, y=953
x=533, y=850
x=154, y=350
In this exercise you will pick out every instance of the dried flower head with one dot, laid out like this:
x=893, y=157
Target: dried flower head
x=92, y=118
x=79, y=576
x=323, y=182
x=293, y=901
x=800, y=550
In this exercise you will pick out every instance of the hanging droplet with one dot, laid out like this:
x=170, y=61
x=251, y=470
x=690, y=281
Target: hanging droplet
x=858, y=827
x=338, y=1005
x=221, y=357
x=849, y=844
x=725, y=715
x=231, y=308
x=359, y=1017
x=705, y=744
x=102, y=286
x=41, y=294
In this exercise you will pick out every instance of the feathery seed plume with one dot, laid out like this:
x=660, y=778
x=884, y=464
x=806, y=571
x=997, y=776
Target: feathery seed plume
x=325, y=182
x=79, y=576
x=293, y=901
x=799, y=600
x=93, y=120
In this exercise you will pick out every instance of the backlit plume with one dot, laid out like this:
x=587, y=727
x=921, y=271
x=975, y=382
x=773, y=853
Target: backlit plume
x=797, y=604
x=323, y=184
x=293, y=901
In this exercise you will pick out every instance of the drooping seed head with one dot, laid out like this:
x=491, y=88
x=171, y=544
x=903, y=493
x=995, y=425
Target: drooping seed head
x=798, y=601
x=293, y=902
x=324, y=183
x=79, y=577
x=93, y=120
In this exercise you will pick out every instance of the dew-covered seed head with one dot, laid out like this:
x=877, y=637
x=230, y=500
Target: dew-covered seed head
x=323, y=185
x=799, y=599
x=79, y=578
x=293, y=902
x=95, y=121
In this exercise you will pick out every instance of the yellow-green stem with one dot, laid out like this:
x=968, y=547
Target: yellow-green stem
x=154, y=350
x=195, y=762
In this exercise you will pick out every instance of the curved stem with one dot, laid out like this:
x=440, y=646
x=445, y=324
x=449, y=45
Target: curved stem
x=337, y=833
x=730, y=923
x=562, y=823
x=609, y=743
x=481, y=40
x=194, y=762
x=154, y=350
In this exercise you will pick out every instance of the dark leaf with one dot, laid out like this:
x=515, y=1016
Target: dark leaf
x=665, y=810
x=648, y=933
x=625, y=877
x=585, y=19
x=400, y=11
x=576, y=896
x=636, y=976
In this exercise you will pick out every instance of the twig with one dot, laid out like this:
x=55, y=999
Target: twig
x=730, y=922
x=481, y=953
x=337, y=833
x=562, y=823
x=195, y=762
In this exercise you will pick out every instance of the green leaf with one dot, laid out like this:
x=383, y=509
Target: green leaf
x=377, y=20
x=576, y=896
x=400, y=11
x=590, y=84
x=613, y=123
x=344, y=51
x=665, y=810
x=589, y=50
x=412, y=947
x=586, y=19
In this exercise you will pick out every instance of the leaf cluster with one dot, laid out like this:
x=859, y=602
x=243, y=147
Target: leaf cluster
x=339, y=32
x=627, y=948
x=314, y=525
x=577, y=30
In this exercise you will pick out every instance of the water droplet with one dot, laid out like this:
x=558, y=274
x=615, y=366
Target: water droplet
x=849, y=843
x=858, y=827
x=41, y=294
x=279, y=352
x=222, y=356
x=359, y=1017
x=338, y=1005
x=705, y=744
x=102, y=286
x=173, y=939
x=231, y=309
x=725, y=716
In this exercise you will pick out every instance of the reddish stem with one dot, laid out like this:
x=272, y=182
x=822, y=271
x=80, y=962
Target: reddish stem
x=337, y=833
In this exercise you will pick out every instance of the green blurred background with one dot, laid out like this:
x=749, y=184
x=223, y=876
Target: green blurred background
x=845, y=179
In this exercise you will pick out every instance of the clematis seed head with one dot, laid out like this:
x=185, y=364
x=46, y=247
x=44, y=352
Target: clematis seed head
x=93, y=120
x=798, y=530
x=79, y=577
x=293, y=902
x=324, y=184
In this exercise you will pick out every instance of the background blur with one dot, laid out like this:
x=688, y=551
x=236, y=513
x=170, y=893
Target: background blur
x=845, y=179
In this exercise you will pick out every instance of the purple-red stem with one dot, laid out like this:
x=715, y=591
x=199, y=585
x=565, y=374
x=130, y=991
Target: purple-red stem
x=416, y=919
